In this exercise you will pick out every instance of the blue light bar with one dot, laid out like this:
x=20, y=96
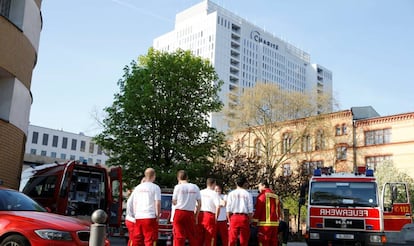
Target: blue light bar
x=369, y=173
x=317, y=172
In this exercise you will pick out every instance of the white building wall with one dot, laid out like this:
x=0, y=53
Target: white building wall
x=242, y=53
x=91, y=152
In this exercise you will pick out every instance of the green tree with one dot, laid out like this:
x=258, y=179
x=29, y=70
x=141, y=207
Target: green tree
x=160, y=117
x=387, y=172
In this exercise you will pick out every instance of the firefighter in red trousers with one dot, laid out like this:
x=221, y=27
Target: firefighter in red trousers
x=267, y=215
x=239, y=212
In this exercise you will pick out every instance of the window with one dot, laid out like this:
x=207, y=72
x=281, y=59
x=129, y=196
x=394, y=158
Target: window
x=286, y=170
x=82, y=146
x=341, y=153
x=81, y=159
x=320, y=140
x=35, y=137
x=64, y=143
x=373, y=161
x=5, y=8
x=338, y=130
x=72, y=157
x=45, y=139
x=91, y=147
x=257, y=147
x=310, y=166
x=43, y=153
x=63, y=156
x=306, y=143
x=99, y=150
x=344, y=129
x=53, y=154
x=90, y=161
x=74, y=143
x=286, y=143
x=55, y=141
x=33, y=151
x=381, y=136
x=98, y=161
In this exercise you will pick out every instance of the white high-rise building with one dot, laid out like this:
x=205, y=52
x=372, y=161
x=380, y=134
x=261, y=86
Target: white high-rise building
x=242, y=54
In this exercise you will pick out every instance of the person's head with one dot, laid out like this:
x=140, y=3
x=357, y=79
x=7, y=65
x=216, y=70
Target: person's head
x=241, y=182
x=211, y=183
x=263, y=185
x=182, y=175
x=218, y=189
x=149, y=175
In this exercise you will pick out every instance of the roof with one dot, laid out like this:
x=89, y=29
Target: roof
x=359, y=113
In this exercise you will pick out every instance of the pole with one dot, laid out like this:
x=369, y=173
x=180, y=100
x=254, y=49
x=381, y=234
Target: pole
x=98, y=228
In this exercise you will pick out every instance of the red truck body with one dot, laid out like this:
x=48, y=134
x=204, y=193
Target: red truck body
x=76, y=189
x=348, y=209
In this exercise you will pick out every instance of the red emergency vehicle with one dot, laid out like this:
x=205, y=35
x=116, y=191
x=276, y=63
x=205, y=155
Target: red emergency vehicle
x=76, y=189
x=346, y=209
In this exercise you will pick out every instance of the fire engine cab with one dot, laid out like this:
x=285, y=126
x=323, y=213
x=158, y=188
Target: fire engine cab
x=348, y=209
x=76, y=189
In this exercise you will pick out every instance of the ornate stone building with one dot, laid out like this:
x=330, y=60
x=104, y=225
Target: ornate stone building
x=344, y=140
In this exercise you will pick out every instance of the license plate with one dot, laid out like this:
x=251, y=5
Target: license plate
x=344, y=236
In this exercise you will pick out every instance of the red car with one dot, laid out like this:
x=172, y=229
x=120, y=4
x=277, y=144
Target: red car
x=23, y=222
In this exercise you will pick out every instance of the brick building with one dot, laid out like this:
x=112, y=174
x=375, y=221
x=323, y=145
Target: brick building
x=345, y=140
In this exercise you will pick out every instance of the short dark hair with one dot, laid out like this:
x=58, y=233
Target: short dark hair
x=182, y=175
x=241, y=181
x=210, y=181
x=264, y=183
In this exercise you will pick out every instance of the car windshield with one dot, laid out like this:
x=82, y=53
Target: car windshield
x=343, y=194
x=166, y=201
x=11, y=200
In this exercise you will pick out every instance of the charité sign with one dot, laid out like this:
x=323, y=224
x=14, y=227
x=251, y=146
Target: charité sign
x=255, y=35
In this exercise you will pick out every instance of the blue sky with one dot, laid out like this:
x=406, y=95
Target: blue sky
x=84, y=46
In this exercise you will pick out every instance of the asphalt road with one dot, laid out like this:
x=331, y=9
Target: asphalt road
x=120, y=241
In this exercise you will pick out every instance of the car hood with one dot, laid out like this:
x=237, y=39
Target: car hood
x=43, y=220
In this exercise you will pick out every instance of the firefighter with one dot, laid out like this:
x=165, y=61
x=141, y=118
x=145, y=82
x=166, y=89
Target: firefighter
x=209, y=212
x=222, y=228
x=239, y=213
x=146, y=205
x=187, y=202
x=267, y=215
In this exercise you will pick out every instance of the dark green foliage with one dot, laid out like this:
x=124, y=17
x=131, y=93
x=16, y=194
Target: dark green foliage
x=159, y=118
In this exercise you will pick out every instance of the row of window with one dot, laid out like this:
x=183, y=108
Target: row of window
x=371, y=162
x=64, y=145
x=382, y=136
x=64, y=156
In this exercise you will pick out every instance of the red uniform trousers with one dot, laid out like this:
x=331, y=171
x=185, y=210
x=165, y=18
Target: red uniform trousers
x=184, y=227
x=223, y=232
x=130, y=227
x=239, y=226
x=207, y=229
x=145, y=232
x=268, y=235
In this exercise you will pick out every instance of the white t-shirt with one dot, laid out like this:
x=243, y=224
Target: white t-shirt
x=222, y=216
x=239, y=201
x=143, y=200
x=210, y=200
x=186, y=195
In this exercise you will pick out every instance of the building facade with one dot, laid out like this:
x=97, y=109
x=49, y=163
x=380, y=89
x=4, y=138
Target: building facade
x=243, y=54
x=20, y=26
x=344, y=140
x=45, y=145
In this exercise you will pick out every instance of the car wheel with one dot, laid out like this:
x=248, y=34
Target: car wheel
x=15, y=240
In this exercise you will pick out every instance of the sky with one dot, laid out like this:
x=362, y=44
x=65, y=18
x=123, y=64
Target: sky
x=85, y=45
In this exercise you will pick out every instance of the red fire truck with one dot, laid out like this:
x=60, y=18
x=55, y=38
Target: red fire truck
x=76, y=189
x=346, y=209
